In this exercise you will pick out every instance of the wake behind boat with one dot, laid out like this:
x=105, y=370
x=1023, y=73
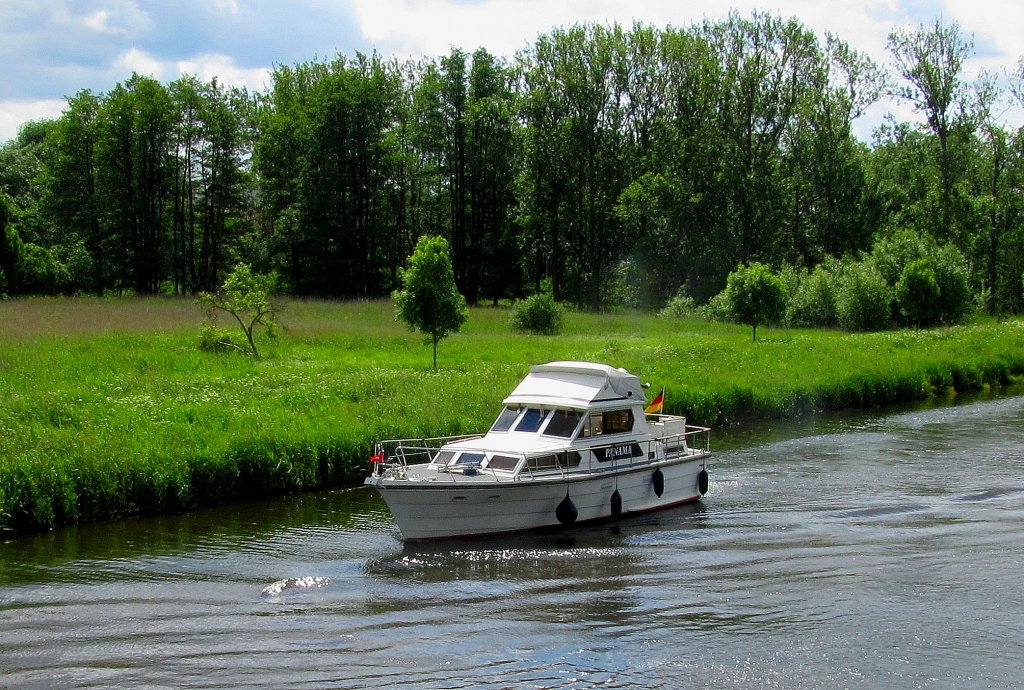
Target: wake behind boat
x=573, y=444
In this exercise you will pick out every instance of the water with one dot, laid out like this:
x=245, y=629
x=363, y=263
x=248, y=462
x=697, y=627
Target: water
x=867, y=552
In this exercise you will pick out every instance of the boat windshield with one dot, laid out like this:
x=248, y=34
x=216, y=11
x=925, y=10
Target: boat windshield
x=502, y=462
x=443, y=458
x=532, y=419
x=471, y=459
x=563, y=423
x=505, y=419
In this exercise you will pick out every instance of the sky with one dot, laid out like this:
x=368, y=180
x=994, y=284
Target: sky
x=51, y=49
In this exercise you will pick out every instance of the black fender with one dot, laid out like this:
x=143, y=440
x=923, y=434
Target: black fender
x=616, y=504
x=566, y=511
x=702, y=482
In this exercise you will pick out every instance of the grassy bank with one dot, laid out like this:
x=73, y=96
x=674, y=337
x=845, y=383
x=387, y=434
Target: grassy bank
x=108, y=408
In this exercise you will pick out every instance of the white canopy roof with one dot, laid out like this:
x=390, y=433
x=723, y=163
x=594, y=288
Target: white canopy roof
x=577, y=385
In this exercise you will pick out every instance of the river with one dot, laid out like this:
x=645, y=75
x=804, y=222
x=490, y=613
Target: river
x=861, y=551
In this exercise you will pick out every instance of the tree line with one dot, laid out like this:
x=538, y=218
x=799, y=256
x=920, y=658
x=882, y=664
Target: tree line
x=608, y=165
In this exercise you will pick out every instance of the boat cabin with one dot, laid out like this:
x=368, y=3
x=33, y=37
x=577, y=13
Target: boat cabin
x=562, y=415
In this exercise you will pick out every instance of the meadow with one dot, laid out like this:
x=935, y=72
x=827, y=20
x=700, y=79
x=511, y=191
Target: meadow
x=109, y=408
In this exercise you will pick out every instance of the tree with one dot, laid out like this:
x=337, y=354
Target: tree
x=429, y=301
x=327, y=164
x=575, y=157
x=931, y=60
x=246, y=296
x=133, y=181
x=767, y=65
x=8, y=247
x=494, y=255
x=757, y=295
x=69, y=197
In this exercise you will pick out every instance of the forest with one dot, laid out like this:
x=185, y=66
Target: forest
x=613, y=166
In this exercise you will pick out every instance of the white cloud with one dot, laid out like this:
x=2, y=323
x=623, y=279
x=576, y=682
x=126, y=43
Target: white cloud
x=211, y=65
x=229, y=6
x=135, y=60
x=206, y=67
x=97, y=21
x=431, y=27
x=996, y=32
x=13, y=114
x=118, y=18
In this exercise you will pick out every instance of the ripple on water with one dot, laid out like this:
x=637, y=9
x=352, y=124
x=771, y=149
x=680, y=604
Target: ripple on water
x=886, y=555
x=295, y=583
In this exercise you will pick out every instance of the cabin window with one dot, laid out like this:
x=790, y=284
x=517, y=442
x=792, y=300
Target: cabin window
x=470, y=459
x=543, y=462
x=443, y=458
x=503, y=462
x=554, y=462
x=618, y=422
x=506, y=419
x=563, y=423
x=531, y=421
x=604, y=423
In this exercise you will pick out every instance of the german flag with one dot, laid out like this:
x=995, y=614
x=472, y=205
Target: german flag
x=657, y=404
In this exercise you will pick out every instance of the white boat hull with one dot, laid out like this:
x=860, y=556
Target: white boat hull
x=480, y=505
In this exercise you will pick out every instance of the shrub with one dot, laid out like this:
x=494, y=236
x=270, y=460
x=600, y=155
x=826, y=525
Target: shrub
x=718, y=308
x=862, y=298
x=955, y=299
x=917, y=294
x=892, y=255
x=625, y=286
x=538, y=314
x=679, y=306
x=214, y=339
x=79, y=267
x=41, y=272
x=812, y=301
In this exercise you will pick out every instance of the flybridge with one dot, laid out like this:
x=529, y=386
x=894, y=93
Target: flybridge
x=578, y=385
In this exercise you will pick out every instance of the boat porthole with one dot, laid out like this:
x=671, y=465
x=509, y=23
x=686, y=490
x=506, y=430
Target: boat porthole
x=658, y=482
x=616, y=504
x=566, y=511
x=702, y=482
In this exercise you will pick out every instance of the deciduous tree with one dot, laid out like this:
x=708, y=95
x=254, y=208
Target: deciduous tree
x=429, y=300
x=246, y=296
x=757, y=295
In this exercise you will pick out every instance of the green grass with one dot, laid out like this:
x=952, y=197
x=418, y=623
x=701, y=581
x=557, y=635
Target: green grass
x=108, y=407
